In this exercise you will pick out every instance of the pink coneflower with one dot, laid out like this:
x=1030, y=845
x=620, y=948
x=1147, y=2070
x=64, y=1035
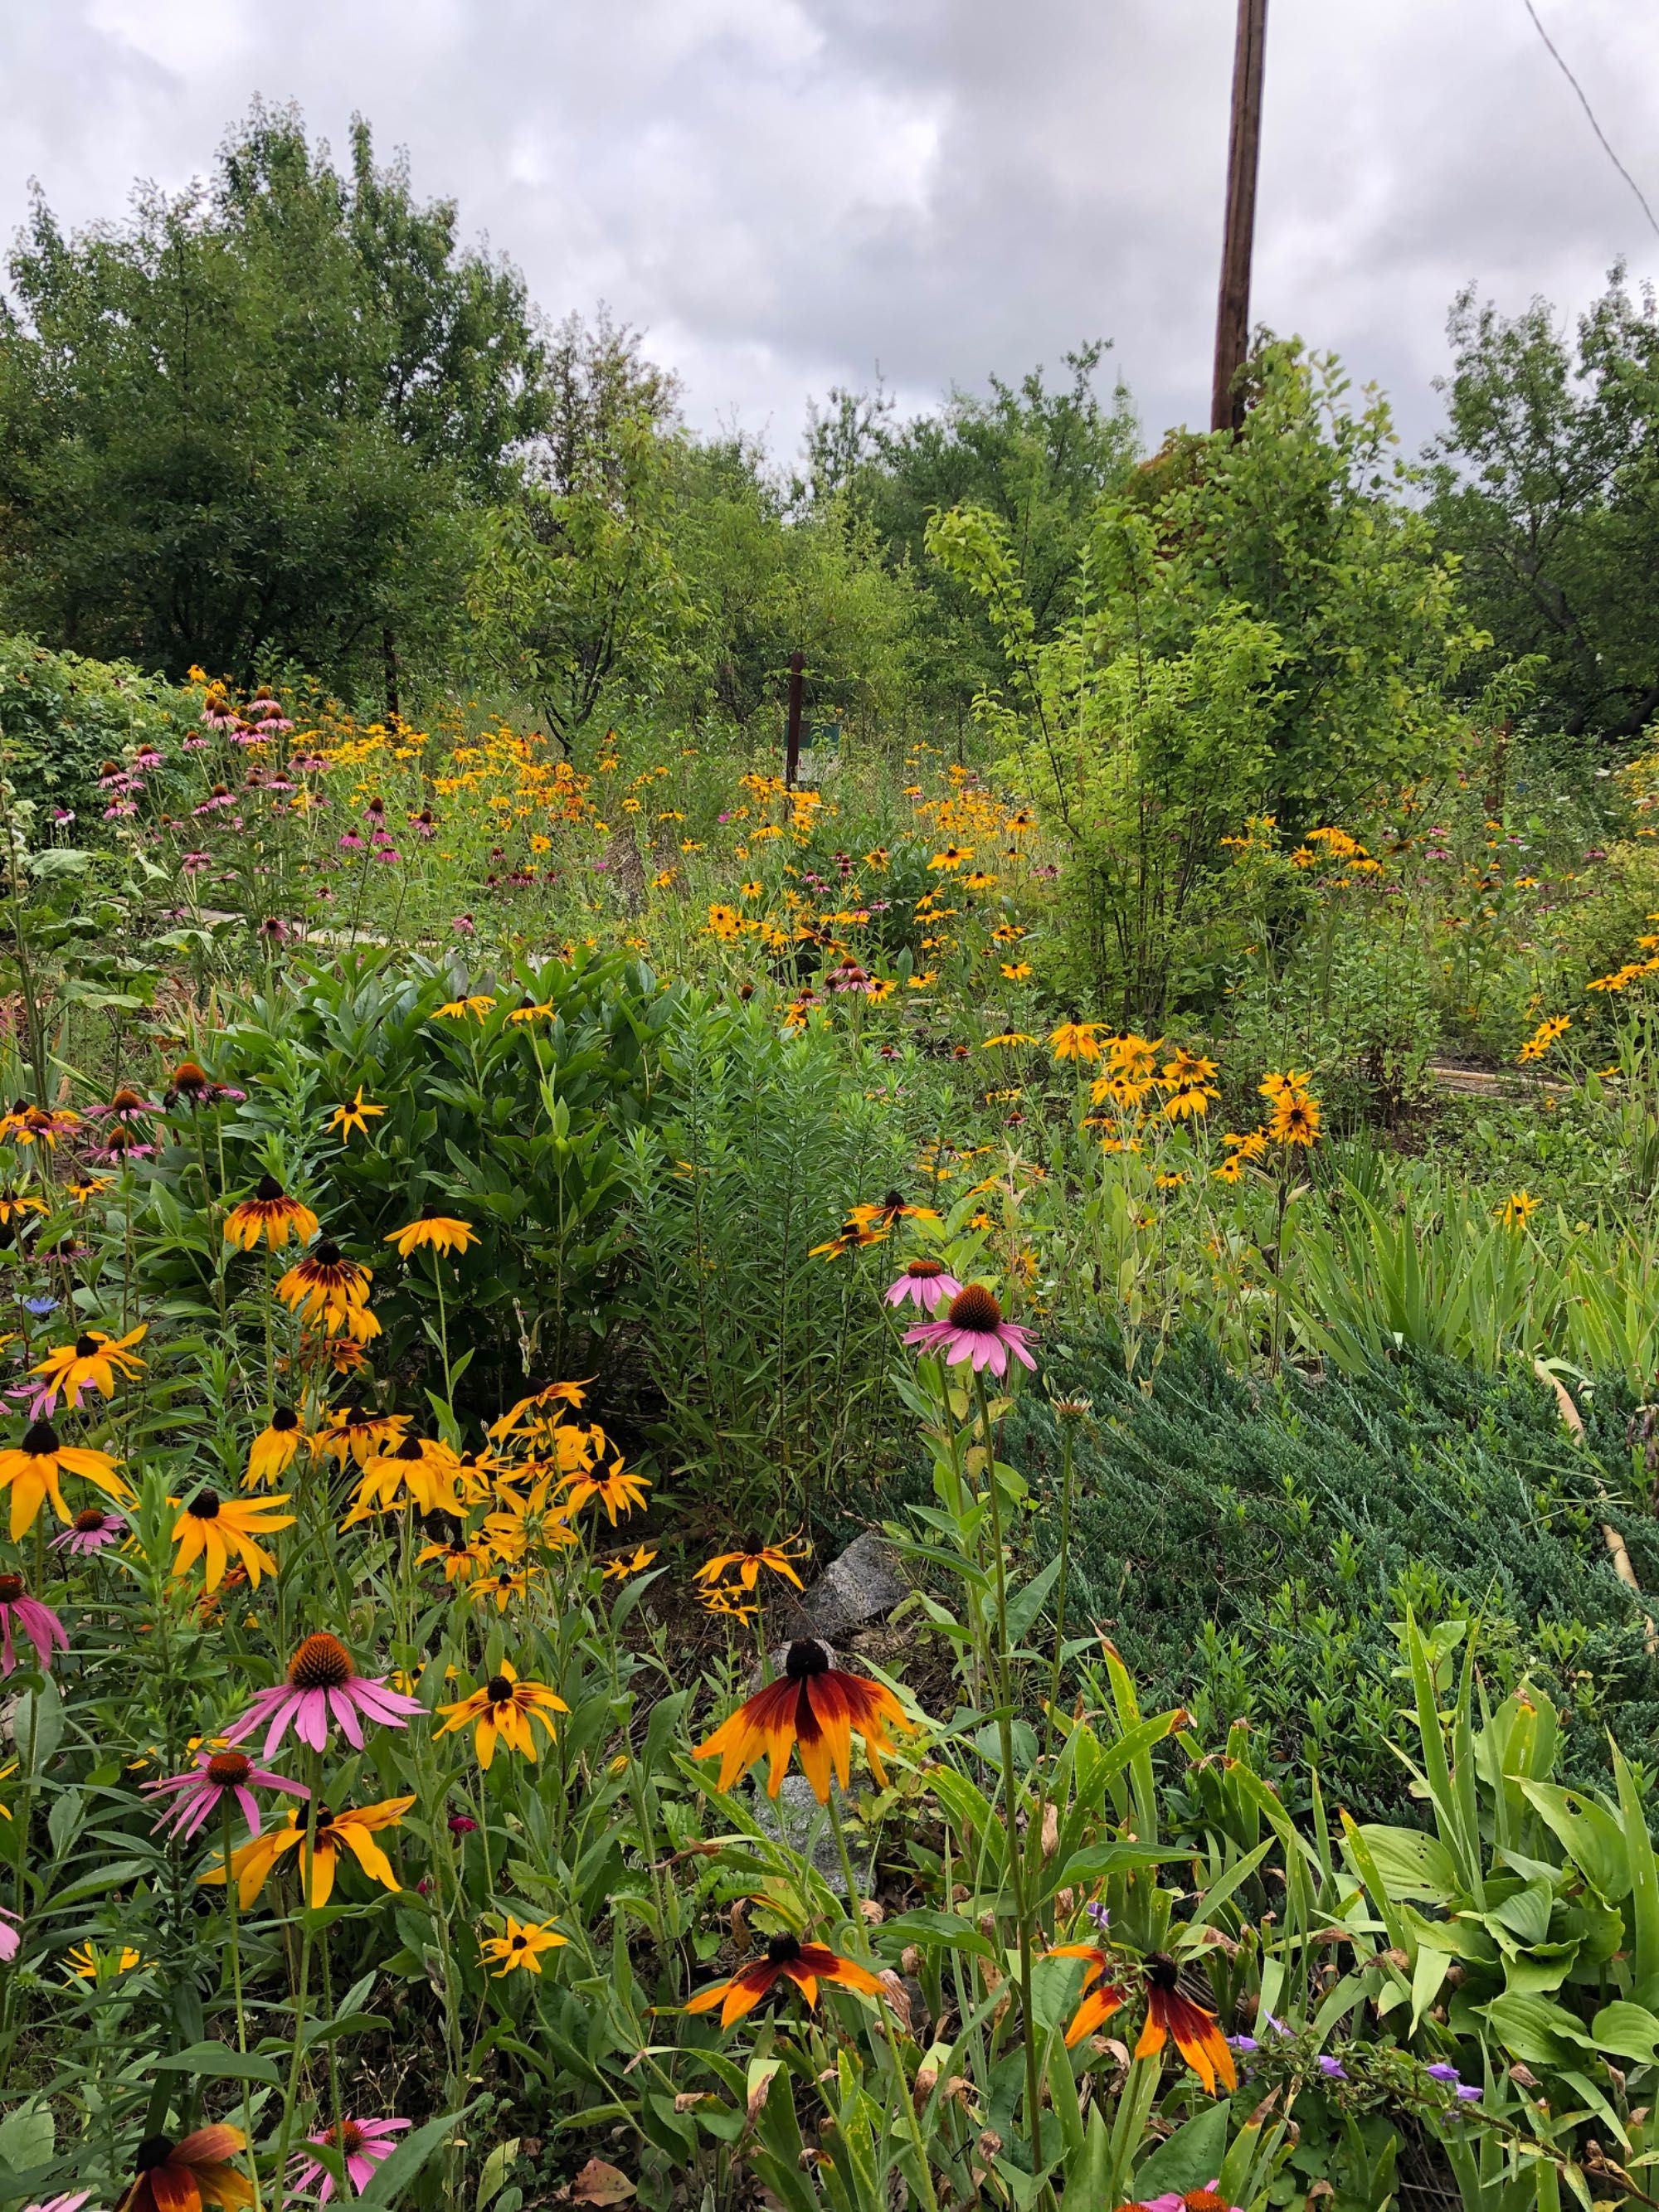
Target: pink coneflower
x=90, y=1531
x=119, y=807
x=925, y=1283
x=390, y=854
x=37, y=1621
x=322, y=1681
x=215, y=1776
x=307, y=763
x=11, y=1938
x=973, y=1328
x=126, y=1105
x=849, y=976
x=193, y=863
x=351, y=843
x=362, y=2145
x=194, y=743
x=274, y=930
x=464, y=926
x=425, y=823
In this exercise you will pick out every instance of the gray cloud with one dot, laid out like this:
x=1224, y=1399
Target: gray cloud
x=786, y=192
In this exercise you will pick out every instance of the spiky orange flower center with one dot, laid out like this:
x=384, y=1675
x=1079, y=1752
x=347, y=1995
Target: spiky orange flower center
x=322, y=1662
x=351, y=2138
x=229, y=1768
x=924, y=1271
x=974, y=1307
x=84, y=1523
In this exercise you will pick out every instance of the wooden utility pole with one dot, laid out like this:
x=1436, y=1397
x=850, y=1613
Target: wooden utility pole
x=792, y=739
x=1232, y=316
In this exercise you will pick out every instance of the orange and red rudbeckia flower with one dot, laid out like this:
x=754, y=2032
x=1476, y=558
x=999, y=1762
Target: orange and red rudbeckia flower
x=788, y=1959
x=187, y=2175
x=1100, y=1999
x=1194, y=2030
x=815, y=1708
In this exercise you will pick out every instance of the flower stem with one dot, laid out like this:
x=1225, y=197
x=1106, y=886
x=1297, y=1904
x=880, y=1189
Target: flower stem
x=1009, y=1803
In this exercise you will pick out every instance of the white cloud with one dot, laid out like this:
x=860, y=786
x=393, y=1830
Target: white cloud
x=785, y=192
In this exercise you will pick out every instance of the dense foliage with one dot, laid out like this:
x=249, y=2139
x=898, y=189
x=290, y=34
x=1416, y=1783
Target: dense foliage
x=501, y=1185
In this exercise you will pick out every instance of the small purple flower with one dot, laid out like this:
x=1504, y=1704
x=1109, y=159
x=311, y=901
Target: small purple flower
x=1468, y=2093
x=40, y=1307
x=1332, y=2069
x=1242, y=2043
x=1100, y=1914
x=1441, y=2072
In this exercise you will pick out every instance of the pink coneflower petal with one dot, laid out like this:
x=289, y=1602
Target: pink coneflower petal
x=345, y=1711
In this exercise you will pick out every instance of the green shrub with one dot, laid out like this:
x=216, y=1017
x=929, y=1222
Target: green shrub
x=61, y=717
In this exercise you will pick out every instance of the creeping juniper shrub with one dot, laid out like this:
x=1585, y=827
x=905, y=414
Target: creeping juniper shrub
x=1250, y=1547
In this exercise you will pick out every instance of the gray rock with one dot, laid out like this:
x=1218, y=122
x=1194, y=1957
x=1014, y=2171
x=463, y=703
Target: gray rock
x=864, y=1584
x=790, y=1818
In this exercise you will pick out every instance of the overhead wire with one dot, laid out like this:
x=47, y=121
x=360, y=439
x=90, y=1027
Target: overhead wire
x=1607, y=144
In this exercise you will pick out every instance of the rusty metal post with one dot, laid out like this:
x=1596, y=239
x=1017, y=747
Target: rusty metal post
x=792, y=744
x=1232, y=316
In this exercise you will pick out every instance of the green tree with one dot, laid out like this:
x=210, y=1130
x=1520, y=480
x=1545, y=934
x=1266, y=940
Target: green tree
x=1036, y=457
x=768, y=580
x=578, y=600
x=247, y=424
x=1547, y=485
x=1259, y=623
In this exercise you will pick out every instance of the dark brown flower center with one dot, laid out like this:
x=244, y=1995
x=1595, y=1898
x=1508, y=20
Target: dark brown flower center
x=1162, y=1971
x=327, y=1255
x=499, y=1690
x=85, y=1346
x=11, y=1589
x=40, y=1442
x=92, y=1518
x=411, y=1447
x=322, y=1662
x=805, y=1658
x=285, y=1419
x=153, y=2151
x=924, y=1271
x=267, y=1188
x=781, y=1949
x=204, y=1506
x=519, y=1942
x=975, y=1309
x=229, y=1768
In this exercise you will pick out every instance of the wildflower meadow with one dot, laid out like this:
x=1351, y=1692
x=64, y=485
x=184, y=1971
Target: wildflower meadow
x=901, y=1463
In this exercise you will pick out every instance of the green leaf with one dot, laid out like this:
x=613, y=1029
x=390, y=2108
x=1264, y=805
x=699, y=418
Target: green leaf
x=27, y=2138
x=1630, y=2030
x=1412, y=1863
x=1192, y=2157
x=407, y=2163
x=217, y=2062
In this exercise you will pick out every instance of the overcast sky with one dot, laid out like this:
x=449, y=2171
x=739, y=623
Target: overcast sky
x=788, y=193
